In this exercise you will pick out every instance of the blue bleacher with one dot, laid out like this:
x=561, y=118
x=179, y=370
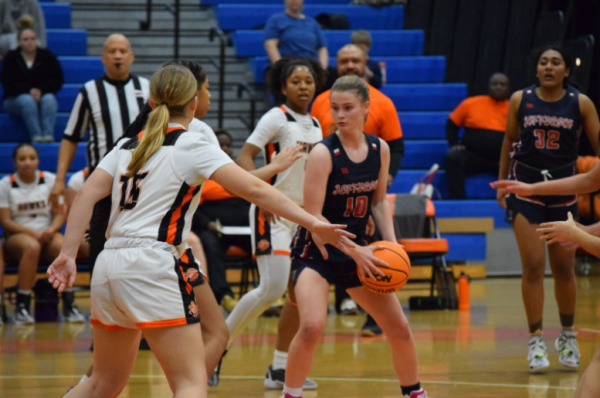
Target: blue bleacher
x=48, y=157
x=66, y=97
x=79, y=69
x=278, y=2
x=477, y=186
x=428, y=96
x=67, y=41
x=249, y=43
x=14, y=129
x=421, y=154
x=465, y=247
x=424, y=125
x=416, y=69
x=471, y=208
x=251, y=16
x=57, y=15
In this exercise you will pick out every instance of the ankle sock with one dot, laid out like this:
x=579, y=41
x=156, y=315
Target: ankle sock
x=294, y=392
x=409, y=389
x=279, y=359
x=83, y=378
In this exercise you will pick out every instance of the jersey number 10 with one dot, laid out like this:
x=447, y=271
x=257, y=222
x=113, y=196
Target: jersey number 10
x=358, y=209
x=130, y=190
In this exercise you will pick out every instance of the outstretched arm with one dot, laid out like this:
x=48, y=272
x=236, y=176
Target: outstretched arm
x=568, y=232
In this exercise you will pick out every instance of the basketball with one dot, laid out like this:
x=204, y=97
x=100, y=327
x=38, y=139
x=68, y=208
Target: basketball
x=397, y=272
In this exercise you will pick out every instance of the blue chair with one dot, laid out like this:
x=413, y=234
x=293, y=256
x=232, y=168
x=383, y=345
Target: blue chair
x=472, y=208
x=423, y=125
x=415, y=69
x=57, y=15
x=66, y=97
x=48, y=157
x=252, y=16
x=249, y=43
x=13, y=130
x=77, y=69
x=421, y=154
x=67, y=41
x=477, y=186
x=430, y=97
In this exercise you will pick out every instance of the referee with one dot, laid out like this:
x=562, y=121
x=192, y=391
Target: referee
x=104, y=107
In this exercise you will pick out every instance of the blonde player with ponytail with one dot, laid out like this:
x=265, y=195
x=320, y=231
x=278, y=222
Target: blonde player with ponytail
x=144, y=278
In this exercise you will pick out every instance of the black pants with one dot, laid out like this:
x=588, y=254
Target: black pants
x=461, y=163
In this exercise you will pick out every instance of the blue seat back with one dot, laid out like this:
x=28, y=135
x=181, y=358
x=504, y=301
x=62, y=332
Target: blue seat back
x=57, y=15
x=67, y=41
x=431, y=97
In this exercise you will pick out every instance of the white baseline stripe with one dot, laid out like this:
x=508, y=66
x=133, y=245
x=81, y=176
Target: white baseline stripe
x=344, y=379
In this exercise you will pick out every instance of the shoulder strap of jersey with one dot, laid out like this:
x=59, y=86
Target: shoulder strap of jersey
x=13, y=181
x=41, y=177
x=289, y=117
x=173, y=135
x=315, y=122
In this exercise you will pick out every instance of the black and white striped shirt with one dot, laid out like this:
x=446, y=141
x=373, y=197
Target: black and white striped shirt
x=105, y=107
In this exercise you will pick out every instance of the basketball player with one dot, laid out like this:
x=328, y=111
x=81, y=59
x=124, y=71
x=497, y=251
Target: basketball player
x=155, y=180
x=543, y=127
x=345, y=180
x=287, y=126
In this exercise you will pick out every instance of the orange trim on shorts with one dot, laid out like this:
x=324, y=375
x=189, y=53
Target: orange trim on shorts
x=276, y=252
x=110, y=328
x=167, y=323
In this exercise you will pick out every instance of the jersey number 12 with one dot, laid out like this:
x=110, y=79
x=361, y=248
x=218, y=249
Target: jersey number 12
x=130, y=190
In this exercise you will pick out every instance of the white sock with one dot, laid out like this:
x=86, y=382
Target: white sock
x=84, y=378
x=27, y=292
x=294, y=392
x=279, y=359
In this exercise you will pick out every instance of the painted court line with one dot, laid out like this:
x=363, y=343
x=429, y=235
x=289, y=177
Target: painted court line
x=344, y=379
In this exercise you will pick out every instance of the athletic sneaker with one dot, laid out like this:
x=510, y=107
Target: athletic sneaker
x=275, y=379
x=417, y=394
x=215, y=378
x=538, y=354
x=73, y=314
x=348, y=307
x=371, y=328
x=568, y=349
x=22, y=316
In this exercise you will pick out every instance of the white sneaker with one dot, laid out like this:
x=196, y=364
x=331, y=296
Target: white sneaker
x=22, y=316
x=275, y=379
x=538, y=354
x=348, y=307
x=568, y=349
x=73, y=314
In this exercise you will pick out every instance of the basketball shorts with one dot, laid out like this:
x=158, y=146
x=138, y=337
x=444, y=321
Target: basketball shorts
x=540, y=209
x=270, y=238
x=342, y=274
x=140, y=283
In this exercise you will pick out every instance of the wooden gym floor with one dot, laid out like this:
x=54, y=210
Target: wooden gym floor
x=481, y=353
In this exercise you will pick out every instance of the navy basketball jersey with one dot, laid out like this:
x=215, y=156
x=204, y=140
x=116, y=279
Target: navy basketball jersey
x=349, y=196
x=549, y=131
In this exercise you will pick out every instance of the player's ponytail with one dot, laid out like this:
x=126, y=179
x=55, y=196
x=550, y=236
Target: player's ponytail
x=172, y=88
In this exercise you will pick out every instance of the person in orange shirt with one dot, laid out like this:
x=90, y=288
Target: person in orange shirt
x=484, y=120
x=382, y=120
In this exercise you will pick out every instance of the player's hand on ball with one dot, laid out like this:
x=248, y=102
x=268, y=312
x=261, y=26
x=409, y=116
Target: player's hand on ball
x=560, y=231
x=62, y=272
x=366, y=261
x=334, y=234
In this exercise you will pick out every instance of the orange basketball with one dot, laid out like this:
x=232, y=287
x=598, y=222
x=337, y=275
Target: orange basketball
x=397, y=272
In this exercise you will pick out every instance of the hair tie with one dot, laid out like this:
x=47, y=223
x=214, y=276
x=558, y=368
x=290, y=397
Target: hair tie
x=165, y=103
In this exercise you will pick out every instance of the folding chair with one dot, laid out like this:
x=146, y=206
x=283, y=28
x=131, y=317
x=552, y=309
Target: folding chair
x=426, y=244
x=238, y=258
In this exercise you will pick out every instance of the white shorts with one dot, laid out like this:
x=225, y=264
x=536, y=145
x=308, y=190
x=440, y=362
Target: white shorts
x=140, y=283
x=270, y=238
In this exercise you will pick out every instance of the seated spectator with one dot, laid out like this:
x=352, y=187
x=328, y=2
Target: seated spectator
x=31, y=77
x=293, y=33
x=484, y=120
x=32, y=228
x=73, y=187
x=11, y=11
x=362, y=39
x=219, y=206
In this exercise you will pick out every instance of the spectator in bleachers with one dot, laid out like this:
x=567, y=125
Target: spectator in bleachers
x=11, y=12
x=293, y=33
x=383, y=122
x=363, y=39
x=484, y=120
x=31, y=77
x=74, y=185
x=1, y=285
x=32, y=226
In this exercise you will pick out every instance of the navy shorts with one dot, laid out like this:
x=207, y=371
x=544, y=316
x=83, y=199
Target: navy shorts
x=540, y=209
x=342, y=274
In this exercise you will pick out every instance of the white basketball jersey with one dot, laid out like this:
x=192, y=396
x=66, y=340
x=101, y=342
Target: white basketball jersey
x=282, y=128
x=78, y=179
x=160, y=200
x=28, y=203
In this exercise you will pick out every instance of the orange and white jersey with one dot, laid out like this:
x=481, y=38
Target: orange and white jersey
x=78, y=179
x=281, y=128
x=28, y=203
x=160, y=200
